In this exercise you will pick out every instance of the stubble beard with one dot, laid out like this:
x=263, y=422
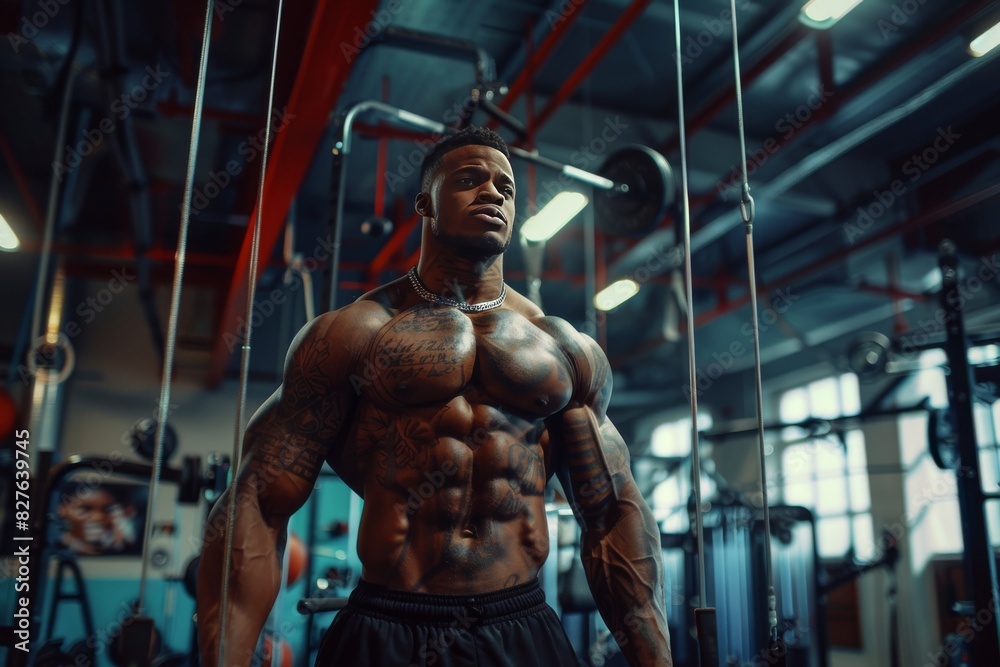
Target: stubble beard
x=478, y=247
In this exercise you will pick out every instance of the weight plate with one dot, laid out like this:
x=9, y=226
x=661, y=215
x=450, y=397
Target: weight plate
x=143, y=439
x=868, y=355
x=650, y=184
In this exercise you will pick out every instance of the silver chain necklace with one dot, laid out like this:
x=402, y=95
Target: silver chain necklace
x=427, y=295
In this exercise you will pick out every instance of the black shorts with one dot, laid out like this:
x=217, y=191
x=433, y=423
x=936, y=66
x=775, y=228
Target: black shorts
x=398, y=629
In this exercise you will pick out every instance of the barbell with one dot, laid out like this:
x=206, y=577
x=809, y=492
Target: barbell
x=631, y=190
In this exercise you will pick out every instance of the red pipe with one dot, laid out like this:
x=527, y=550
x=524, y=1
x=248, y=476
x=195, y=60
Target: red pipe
x=721, y=101
x=127, y=253
x=535, y=60
x=381, y=160
x=171, y=108
x=391, y=248
x=321, y=75
x=401, y=233
x=413, y=258
x=843, y=96
x=370, y=131
x=583, y=70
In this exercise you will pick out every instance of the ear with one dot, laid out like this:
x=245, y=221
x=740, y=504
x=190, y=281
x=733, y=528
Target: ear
x=422, y=205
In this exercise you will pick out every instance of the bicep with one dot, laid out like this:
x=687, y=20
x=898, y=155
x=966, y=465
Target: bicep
x=593, y=463
x=291, y=435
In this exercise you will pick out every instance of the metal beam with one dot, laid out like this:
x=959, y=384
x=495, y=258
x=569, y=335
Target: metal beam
x=584, y=69
x=323, y=70
x=882, y=69
x=930, y=217
x=538, y=57
x=727, y=96
x=716, y=228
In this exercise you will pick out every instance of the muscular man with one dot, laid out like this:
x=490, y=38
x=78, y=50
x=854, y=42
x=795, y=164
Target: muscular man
x=446, y=400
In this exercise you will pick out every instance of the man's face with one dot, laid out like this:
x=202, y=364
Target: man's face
x=471, y=202
x=91, y=516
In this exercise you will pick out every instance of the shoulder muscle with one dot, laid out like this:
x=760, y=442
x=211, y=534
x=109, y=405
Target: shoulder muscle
x=592, y=379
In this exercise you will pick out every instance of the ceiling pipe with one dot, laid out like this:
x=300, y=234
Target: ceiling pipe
x=727, y=96
x=112, y=56
x=321, y=75
x=708, y=233
x=583, y=70
x=539, y=56
x=415, y=40
x=343, y=152
x=936, y=215
x=864, y=82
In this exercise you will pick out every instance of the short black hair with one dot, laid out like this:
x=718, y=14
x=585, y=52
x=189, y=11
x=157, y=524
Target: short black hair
x=472, y=135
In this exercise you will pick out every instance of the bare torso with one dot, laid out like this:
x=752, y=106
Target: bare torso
x=448, y=445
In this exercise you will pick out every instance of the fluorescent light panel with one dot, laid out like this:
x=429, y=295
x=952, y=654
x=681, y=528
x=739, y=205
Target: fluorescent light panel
x=8, y=239
x=986, y=42
x=543, y=225
x=823, y=14
x=616, y=294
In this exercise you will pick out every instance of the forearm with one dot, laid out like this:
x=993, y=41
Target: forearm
x=255, y=577
x=622, y=559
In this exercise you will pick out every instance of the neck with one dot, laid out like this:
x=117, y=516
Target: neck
x=472, y=280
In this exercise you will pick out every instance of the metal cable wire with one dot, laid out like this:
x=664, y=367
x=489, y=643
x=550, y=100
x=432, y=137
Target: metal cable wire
x=747, y=211
x=175, y=304
x=42, y=279
x=245, y=354
x=692, y=372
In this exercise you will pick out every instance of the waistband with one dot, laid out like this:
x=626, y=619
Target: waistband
x=460, y=610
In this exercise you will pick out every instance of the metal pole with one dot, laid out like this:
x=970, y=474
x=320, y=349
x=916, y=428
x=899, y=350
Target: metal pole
x=980, y=568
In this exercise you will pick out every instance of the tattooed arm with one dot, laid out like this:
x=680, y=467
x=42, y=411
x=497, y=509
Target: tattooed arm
x=285, y=444
x=621, y=551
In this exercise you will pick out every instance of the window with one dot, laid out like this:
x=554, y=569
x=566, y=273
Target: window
x=827, y=470
x=933, y=516
x=672, y=440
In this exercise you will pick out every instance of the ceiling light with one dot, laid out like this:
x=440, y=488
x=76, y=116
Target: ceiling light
x=822, y=14
x=8, y=239
x=543, y=225
x=616, y=294
x=986, y=42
